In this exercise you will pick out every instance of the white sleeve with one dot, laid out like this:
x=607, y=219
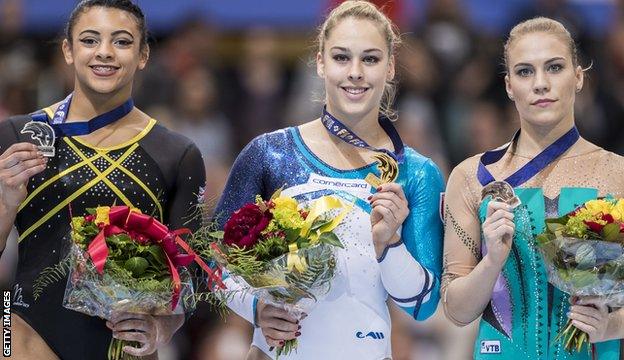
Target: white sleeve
x=240, y=301
x=403, y=277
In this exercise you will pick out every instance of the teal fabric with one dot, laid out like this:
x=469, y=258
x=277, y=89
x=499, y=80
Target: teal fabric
x=536, y=315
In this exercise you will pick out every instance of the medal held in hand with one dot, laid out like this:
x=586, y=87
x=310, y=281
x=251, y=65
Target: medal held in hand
x=501, y=191
x=387, y=161
x=388, y=168
x=44, y=134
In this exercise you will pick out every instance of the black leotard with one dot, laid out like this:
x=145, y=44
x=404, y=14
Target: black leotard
x=158, y=171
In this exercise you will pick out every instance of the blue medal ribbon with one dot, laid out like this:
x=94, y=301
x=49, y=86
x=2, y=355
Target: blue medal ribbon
x=62, y=128
x=533, y=167
x=341, y=131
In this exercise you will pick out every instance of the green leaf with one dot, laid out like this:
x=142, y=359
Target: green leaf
x=137, y=265
x=319, y=223
x=216, y=234
x=331, y=239
x=611, y=232
x=554, y=226
x=157, y=254
x=291, y=235
x=542, y=239
x=582, y=278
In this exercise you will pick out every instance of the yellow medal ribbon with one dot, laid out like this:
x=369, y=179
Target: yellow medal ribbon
x=319, y=207
x=294, y=261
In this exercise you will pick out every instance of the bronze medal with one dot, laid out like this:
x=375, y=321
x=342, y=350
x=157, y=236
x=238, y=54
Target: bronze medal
x=501, y=191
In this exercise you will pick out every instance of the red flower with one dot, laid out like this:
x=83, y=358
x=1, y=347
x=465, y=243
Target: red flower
x=90, y=218
x=608, y=218
x=244, y=226
x=594, y=226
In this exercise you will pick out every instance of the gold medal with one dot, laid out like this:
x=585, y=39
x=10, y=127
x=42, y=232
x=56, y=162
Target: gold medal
x=388, y=168
x=501, y=191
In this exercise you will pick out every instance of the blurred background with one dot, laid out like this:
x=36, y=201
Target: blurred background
x=222, y=72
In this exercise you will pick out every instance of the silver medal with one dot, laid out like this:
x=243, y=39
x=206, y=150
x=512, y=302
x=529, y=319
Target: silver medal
x=44, y=134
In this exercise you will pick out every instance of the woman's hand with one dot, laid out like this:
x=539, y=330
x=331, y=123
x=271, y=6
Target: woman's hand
x=18, y=164
x=590, y=315
x=150, y=331
x=390, y=208
x=276, y=323
x=498, y=231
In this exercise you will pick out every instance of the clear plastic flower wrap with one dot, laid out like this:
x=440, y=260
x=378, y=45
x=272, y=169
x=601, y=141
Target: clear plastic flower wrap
x=279, y=250
x=122, y=261
x=583, y=267
x=583, y=252
x=296, y=288
x=93, y=294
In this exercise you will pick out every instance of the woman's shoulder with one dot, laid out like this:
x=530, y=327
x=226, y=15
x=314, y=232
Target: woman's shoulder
x=469, y=165
x=416, y=160
x=164, y=139
x=278, y=140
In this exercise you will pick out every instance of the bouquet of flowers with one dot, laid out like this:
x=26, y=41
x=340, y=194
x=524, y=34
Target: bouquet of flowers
x=584, y=255
x=281, y=251
x=123, y=261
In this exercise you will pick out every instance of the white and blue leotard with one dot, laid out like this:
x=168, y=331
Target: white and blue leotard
x=353, y=321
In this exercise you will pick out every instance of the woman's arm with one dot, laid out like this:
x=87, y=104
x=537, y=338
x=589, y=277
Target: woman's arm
x=18, y=163
x=466, y=275
x=245, y=181
x=411, y=268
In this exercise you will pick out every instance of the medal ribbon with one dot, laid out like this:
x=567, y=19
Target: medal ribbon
x=61, y=128
x=533, y=167
x=341, y=131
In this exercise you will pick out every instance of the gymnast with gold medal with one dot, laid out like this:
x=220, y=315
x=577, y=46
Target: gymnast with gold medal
x=392, y=235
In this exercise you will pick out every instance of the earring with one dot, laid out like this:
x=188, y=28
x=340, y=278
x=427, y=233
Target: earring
x=510, y=97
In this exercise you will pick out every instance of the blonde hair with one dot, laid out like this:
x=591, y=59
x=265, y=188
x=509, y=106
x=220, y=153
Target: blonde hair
x=360, y=9
x=541, y=24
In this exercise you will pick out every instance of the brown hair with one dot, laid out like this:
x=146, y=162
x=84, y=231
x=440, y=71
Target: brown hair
x=361, y=9
x=541, y=24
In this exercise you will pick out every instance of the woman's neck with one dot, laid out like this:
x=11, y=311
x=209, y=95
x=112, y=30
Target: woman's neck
x=534, y=139
x=86, y=105
x=366, y=127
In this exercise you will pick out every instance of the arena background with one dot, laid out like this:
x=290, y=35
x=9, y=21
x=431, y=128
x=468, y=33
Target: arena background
x=223, y=71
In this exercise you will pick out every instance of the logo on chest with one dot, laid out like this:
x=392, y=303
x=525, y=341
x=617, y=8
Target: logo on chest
x=376, y=335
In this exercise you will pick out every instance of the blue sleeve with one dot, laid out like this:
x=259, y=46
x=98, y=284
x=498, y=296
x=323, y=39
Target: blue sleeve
x=246, y=180
x=422, y=234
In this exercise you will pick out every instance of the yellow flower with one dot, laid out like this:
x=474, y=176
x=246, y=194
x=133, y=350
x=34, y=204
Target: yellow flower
x=596, y=207
x=102, y=215
x=285, y=202
x=285, y=213
x=618, y=210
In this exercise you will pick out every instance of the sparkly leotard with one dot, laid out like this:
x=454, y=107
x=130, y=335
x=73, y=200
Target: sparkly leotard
x=158, y=171
x=525, y=312
x=353, y=321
